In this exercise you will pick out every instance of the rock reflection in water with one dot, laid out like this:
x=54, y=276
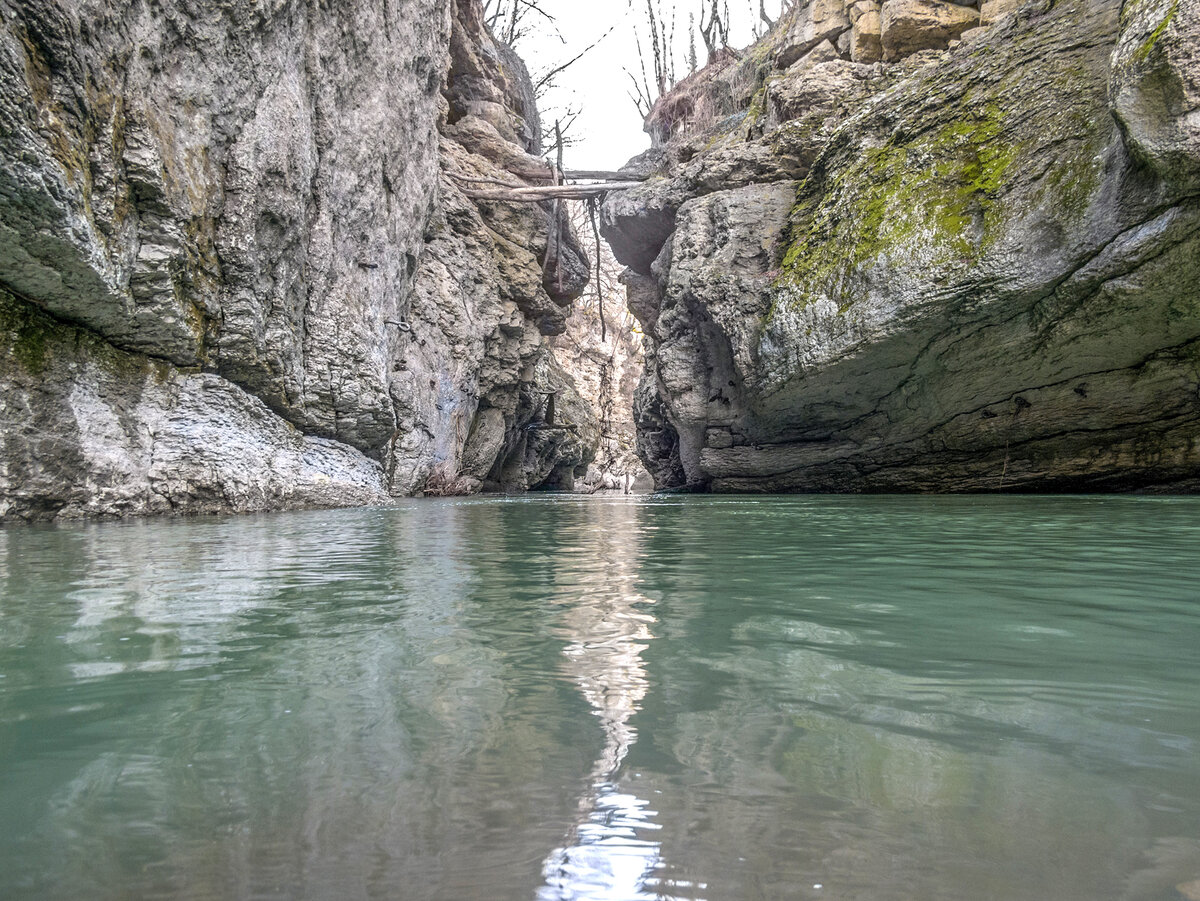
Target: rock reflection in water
x=724, y=698
x=611, y=854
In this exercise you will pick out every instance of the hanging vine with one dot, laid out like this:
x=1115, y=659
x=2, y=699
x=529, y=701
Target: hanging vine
x=592, y=204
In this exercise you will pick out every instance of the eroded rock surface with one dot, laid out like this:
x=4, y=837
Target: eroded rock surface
x=257, y=201
x=90, y=430
x=974, y=267
x=606, y=366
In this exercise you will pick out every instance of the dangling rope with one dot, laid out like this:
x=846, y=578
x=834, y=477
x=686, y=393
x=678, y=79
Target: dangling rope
x=558, y=211
x=554, y=230
x=591, y=204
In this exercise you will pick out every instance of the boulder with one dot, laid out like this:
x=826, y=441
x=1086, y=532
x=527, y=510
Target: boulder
x=866, y=42
x=908, y=26
x=814, y=22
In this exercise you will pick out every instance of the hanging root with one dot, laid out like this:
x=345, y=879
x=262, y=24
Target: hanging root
x=592, y=203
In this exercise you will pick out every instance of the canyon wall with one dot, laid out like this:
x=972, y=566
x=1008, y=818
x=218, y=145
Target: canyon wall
x=922, y=246
x=239, y=270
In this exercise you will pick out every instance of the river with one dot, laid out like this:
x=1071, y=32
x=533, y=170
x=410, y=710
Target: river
x=549, y=697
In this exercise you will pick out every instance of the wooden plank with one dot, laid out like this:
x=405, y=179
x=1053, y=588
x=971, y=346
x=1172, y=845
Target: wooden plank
x=578, y=175
x=601, y=175
x=552, y=192
x=569, y=175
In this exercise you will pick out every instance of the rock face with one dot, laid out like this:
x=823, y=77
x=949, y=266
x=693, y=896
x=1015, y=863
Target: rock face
x=976, y=267
x=474, y=373
x=605, y=369
x=237, y=271
x=910, y=25
x=130, y=434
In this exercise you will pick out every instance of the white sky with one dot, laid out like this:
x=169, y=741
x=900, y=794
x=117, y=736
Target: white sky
x=609, y=130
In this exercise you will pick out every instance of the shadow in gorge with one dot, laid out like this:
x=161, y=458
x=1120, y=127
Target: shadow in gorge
x=611, y=853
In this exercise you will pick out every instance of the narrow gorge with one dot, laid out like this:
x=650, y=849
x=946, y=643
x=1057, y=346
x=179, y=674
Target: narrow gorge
x=648, y=450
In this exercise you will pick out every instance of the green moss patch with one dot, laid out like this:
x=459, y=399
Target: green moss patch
x=933, y=192
x=28, y=336
x=1147, y=46
x=33, y=339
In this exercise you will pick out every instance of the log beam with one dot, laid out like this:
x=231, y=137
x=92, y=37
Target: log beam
x=538, y=193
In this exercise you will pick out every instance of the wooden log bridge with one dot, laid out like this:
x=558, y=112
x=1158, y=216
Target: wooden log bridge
x=602, y=182
x=555, y=191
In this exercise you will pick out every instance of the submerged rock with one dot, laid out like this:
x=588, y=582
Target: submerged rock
x=970, y=269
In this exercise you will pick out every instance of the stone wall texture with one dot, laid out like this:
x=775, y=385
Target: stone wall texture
x=238, y=271
x=923, y=246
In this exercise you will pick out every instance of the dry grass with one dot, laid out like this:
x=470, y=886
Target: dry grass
x=695, y=103
x=443, y=482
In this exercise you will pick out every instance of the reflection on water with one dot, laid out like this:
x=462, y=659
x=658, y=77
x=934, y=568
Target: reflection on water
x=859, y=699
x=609, y=856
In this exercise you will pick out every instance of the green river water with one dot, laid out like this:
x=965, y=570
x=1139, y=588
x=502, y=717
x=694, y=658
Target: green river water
x=869, y=698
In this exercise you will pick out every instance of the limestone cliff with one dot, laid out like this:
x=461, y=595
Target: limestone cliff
x=925, y=246
x=237, y=271
x=606, y=366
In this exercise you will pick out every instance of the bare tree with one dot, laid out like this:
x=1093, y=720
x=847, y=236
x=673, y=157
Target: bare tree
x=662, y=58
x=715, y=33
x=761, y=22
x=662, y=35
x=511, y=20
x=546, y=80
x=605, y=298
x=693, y=65
x=642, y=95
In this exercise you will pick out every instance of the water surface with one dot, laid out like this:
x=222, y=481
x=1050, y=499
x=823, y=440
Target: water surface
x=633, y=698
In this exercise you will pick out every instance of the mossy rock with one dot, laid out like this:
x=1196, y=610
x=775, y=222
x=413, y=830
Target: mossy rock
x=932, y=195
x=35, y=342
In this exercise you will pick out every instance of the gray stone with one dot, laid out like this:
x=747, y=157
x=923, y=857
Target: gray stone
x=258, y=209
x=89, y=430
x=811, y=23
x=1155, y=87
x=975, y=280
